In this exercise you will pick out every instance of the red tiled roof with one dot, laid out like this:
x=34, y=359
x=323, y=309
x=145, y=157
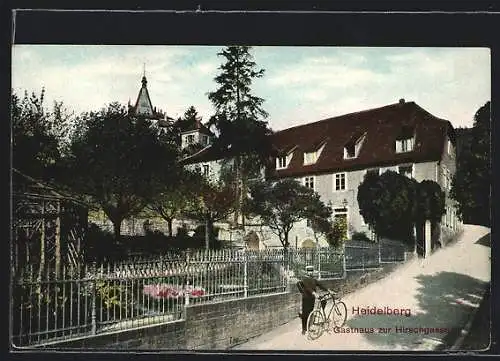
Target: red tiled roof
x=382, y=126
x=198, y=126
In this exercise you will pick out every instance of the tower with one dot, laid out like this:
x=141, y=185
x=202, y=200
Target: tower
x=144, y=107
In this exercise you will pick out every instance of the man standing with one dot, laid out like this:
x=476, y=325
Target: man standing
x=308, y=287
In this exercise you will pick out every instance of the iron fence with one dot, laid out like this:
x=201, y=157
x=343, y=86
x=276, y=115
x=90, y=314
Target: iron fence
x=77, y=301
x=326, y=262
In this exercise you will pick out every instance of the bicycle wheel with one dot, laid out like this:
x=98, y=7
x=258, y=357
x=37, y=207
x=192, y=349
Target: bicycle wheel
x=339, y=314
x=315, y=324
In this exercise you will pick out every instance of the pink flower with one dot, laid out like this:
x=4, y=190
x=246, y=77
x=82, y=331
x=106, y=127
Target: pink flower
x=171, y=291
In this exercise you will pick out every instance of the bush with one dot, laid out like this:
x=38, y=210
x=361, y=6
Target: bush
x=339, y=232
x=100, y=245
x=360, y=236
x=199, y=238
x=387, y=203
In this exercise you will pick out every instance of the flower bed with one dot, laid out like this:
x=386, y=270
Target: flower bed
x=159, y=291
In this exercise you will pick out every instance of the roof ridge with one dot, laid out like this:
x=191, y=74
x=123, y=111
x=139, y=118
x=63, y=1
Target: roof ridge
x=432, y=115
x=347, y=114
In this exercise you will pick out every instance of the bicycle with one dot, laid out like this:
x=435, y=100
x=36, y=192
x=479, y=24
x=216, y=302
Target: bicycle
x=318, y=321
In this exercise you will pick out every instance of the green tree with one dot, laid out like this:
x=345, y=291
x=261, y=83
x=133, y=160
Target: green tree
x=189, y=119
x=215, y=202
x=339, y=232
x=176, y=198
x=387, y=204
x=239, y=118
x=120, y=161
x=471, y=186
x=430, y=202
x=34, y=148
x=282, y=204
x=392, y=204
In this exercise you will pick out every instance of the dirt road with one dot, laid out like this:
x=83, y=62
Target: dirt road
x=437, y=294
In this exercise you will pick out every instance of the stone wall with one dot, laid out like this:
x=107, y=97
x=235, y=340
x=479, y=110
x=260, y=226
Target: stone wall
x=220, y=325
x=226, y=324
x=205, y=327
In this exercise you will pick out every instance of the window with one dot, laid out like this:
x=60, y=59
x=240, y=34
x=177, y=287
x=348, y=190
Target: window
x=206, y=170
x=309, y=182
x=308, y=223
x=352, y=148
x=281, y=162
x=385, y=169
x=340, y=182
x=310, y=158
x=375, y=171
x=350, y=151
x=190, y=139
x=404, y=145
x=406, y=170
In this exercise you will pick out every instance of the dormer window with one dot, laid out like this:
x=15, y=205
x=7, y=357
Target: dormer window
x=404, y=145
x=349, y=151
x=281, y=162
x=405, y=141
x=352, y=148
x=312, y=157
x=284, y=158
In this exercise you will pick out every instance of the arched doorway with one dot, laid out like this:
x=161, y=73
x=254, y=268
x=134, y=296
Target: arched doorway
x=252, y=240
x=308, y=243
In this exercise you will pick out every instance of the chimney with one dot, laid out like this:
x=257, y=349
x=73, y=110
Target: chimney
x=401, y=101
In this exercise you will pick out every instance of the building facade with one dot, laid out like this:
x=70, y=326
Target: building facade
x=333, y=155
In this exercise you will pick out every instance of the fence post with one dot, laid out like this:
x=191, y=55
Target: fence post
x=319, y=262
x=186, y=275
x=93, y=298
x=186, y=294
x=245, y=273
x=344, y=266
x=379, y=255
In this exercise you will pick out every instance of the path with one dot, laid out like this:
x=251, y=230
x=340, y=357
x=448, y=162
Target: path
x=440, y=292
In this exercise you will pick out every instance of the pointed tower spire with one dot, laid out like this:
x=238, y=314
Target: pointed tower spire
x=144, y=80
x=143, y=104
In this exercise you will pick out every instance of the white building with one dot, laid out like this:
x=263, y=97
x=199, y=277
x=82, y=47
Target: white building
x=332, y=156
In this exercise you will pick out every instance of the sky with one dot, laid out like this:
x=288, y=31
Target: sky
x=300, y=84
